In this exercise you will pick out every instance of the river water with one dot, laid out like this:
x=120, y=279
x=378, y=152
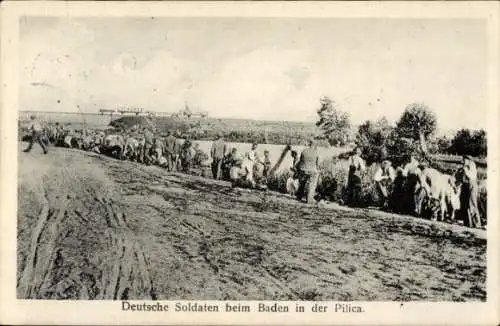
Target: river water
x=274, y=151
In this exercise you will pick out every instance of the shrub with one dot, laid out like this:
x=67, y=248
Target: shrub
x=332, y=182
x=277, y=181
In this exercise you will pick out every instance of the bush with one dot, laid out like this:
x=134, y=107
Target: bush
x=441, y=145
x=332, y=182
x=277, y=181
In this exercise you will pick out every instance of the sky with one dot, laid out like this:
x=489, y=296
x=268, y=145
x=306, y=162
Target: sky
x=257, y=68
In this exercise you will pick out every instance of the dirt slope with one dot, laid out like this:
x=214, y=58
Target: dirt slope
x=90, y=227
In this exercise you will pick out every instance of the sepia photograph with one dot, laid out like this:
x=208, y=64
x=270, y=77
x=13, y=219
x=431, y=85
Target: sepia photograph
x=244, y=158
x=172, y=158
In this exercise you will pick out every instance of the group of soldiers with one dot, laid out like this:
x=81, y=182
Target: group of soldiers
x=418, y=189
x=410, y=188
x=247, y=170
x=143, y=146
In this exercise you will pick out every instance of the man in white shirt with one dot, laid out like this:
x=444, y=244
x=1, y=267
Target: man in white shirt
x=469, y=194
x=36, y=135
x=384, y=176
x=414, y=186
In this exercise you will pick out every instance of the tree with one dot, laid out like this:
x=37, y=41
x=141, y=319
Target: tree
x=466, y=142
x=372, y=138
x=480, y=143
x=335, y=124
x=417, y=123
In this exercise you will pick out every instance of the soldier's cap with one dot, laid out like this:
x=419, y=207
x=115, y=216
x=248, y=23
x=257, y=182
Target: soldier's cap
x=386, y=162
x=32, y=117
x=468, y=157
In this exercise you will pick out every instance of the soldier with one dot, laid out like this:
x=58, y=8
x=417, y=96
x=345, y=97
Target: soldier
x=187, y=156
x=36, y=135
x=229, y=162
x=383, y=177
x=179, y=143
x=217, y=153
x=252, y=154
x=356, y=166
x=415, y=191
x=469, y=194
x=267, y=163
x=148, y=145
x=292, y=183
x=158, y=149
x=308, y=172
x=170, y=149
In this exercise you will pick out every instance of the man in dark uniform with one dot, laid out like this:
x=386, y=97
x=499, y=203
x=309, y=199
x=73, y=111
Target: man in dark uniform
x=36, y=135
x=308, y=172
x=170, y=149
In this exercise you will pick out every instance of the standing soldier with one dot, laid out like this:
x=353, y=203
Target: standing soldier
x=187, y=156
x=170, y=144
x=267, y=163
x=356, y=166
x=414, y=186
x=217, y=153
x=308, y=172
x=36, y=135
x=383, y=177
x=469, y=194
x=179, y=143
x=148, y=145
x=158, y=150
x=292, y=183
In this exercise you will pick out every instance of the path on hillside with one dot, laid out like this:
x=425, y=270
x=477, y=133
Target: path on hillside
x=91, y=227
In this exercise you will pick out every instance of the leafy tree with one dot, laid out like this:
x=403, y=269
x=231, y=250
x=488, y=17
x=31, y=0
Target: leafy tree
x=399, y=147
x=418, y=122
x=334, y=123
x=480, y=143
x=372, y=138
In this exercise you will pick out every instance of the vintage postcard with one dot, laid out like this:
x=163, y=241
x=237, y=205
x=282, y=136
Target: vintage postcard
x=298, y=163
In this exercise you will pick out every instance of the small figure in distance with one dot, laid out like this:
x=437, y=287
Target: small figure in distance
x=36, y=135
